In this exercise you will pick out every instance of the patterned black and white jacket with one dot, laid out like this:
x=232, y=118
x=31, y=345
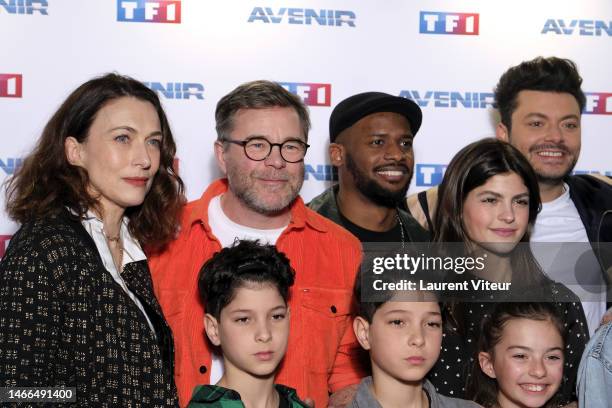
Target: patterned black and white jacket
x=64, y=321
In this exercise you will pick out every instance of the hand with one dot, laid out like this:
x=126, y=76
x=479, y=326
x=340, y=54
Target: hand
x=607, y=317
x=309, y=402
x=342, y=397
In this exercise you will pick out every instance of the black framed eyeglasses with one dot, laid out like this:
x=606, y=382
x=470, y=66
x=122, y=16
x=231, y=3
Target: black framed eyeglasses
x=259, y=148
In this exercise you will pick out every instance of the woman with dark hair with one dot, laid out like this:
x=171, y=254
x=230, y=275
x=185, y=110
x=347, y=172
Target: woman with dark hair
x=488, y=201
x=471, y=188
x=520, y=357
x=77, y=307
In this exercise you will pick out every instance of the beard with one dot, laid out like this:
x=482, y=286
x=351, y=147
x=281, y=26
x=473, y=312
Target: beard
x=375, y=192
x=548, y=177
x=554, y=179
x=261, y=199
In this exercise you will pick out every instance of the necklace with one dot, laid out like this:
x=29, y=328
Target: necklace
x=115, y=241
x=112, y=239
x=401, y=225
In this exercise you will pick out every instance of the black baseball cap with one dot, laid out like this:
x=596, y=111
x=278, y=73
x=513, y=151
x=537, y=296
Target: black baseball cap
x=352, y=109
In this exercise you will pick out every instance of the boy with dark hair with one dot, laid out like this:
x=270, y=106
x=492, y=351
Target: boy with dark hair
x=403, y=336
x=245, y=289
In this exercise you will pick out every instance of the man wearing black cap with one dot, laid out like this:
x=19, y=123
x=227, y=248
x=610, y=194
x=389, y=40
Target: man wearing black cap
x=371, y=137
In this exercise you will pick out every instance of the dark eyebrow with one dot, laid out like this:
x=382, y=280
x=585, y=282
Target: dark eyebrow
x=537, y=114
x=570, y=116
x=543, y=116
x=500, y=195
x=128, y=128
x=241, y=311
x=132, y=130
x=519, y=348
x=380, y=134
x=529, y=349
x=275, y=308
x=410, y=313
x=396, y=311
x=489, y=192
x=290, y=138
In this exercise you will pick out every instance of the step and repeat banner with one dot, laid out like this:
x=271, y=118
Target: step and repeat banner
x=445, y=55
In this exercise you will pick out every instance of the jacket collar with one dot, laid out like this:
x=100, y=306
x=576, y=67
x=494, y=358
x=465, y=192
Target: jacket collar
x=214, y=393
x=592, y=197
x=326, y=204
x=365, y=399
x=300, y=215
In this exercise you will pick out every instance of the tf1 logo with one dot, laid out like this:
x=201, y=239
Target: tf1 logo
x=434, y=22
x=598, y=103
x=312, y=94
x=429, y=175
x=149, y=11
x=10, y=85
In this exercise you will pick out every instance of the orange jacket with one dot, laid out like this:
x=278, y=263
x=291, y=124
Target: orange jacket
x=322, y=355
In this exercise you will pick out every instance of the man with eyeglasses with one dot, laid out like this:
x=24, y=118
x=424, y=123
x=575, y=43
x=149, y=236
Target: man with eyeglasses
x=371, y=137
x=262, y=134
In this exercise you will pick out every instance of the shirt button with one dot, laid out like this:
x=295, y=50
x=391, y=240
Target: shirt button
x=333, y=309
x=203, y=369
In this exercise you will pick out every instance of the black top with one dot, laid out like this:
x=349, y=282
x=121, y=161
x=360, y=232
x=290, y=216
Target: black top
x=326, y=205
x=365, y=235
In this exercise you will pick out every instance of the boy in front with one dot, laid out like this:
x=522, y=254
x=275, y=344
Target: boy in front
x=403, y=339
x=244, y=289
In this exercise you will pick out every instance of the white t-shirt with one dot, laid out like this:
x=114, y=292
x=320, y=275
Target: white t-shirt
x=227, y=231
x=573, y=264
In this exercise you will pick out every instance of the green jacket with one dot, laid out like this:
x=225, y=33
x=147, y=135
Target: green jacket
x=220, y=397
x=326, y=205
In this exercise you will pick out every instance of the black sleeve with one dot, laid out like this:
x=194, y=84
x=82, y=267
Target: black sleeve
x=577, y=336
x=30, y=316
x=422, y=197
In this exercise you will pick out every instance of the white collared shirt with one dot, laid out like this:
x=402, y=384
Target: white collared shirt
x=132, y=252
